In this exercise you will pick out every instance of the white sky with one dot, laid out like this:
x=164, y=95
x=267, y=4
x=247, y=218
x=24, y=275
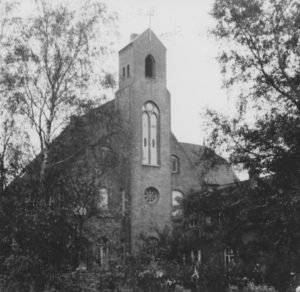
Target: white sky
x=193, y=73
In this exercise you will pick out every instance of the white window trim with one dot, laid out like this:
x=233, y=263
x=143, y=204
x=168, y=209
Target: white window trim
x=229, y=256
x=104, y=257
x=150, y=156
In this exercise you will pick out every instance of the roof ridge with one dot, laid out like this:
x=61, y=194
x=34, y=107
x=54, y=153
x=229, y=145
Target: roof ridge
x=149, y=30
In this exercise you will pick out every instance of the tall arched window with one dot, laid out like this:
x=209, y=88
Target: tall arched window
x=145, y=122
x=150, y=67
x=150, y=136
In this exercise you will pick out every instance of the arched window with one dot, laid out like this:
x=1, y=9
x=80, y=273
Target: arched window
x=103, y=252
x=229, y=257
x=128, y=71
x=153, y=139
x=145, y=122
x=175, y=164
x=102, y=200
x=150, y=67
x=177, y=197
x=150, y=134
x=196, y=256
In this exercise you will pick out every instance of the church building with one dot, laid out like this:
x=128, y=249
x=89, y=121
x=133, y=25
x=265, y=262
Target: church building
x=153, y=171
x=161, y=169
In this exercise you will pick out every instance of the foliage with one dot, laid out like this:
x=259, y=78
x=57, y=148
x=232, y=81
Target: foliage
x=262, y=226
x=251, y=287
x=144, y=272
x=14, y=141
x=262, y=58
x=54, y=62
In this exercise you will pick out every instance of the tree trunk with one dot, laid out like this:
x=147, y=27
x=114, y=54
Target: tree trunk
x=45, y=160
x=44, y=165
x=2, y=177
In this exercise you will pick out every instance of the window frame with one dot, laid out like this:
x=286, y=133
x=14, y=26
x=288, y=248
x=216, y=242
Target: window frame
x=197, y=256
x=128, y=71
x=150, y=67
x=176, y=214
x=230, y=257
x=153, y=190
x=103, y=253
x=99, y=202
x=175, y=158
x=150, y=156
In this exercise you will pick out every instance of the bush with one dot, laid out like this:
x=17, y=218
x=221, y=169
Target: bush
x=23, y=273
x=251, y=287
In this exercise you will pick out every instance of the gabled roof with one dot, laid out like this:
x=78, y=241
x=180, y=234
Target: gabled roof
x=198, y=153
x=71, y=131
x=214, y=169
x=147, y=31
x=193, y=151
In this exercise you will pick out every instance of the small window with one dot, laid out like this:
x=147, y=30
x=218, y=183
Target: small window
x=152, y=247
x=103, y=257
x=124, y=72
x=103, y=253
x=208, y=220
x=150, y=67
x=151, y=195
x=177, y=197
x=175, y=164
x=213, y=219
x=104, y=154
x=196, y=256
x=193, y=223
x=102, y=200
x=229, y=257
x=128, y=71
x=199, y=256
x=152, y=241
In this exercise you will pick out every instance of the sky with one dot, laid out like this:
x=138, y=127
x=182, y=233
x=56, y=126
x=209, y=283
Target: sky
x=194, y=76
x=193, y=73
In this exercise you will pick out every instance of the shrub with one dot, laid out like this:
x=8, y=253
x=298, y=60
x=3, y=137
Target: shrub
x=251, y=287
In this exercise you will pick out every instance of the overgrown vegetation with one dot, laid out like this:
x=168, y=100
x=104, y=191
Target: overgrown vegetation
x=259, y=226
x=260, y=54
x=47, y=66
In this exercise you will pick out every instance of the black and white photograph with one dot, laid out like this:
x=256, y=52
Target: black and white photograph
x=149, y=146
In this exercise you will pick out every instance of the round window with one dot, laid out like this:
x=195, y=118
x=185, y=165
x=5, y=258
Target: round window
x=151, y=195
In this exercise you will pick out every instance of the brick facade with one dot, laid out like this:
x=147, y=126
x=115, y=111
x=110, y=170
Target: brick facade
x=127, y=181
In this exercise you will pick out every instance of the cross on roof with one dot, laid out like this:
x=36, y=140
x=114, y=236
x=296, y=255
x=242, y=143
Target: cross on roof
x=150, y=14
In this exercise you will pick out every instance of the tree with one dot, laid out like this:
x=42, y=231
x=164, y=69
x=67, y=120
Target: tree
x=53, y=67
x=49, y=67
x=262, y=57
x=258, y=225
x=14, y=146
x=51, y=239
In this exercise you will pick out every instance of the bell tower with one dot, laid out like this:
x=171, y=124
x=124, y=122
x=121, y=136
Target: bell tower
x=144, y=102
